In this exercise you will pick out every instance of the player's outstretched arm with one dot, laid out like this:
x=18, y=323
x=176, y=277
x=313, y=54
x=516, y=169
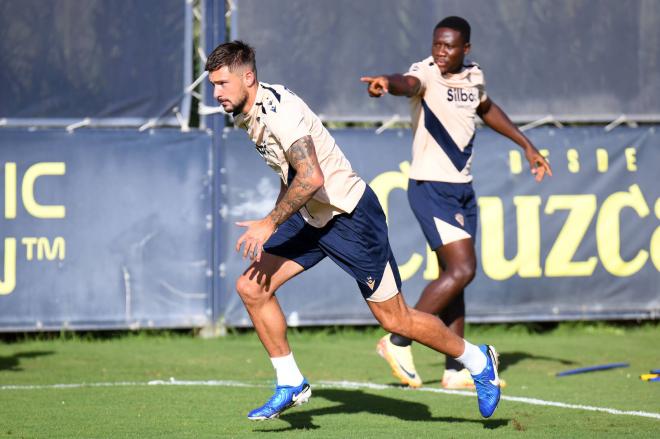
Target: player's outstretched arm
x=396, y=84
x=496, y=118
x=309, y=178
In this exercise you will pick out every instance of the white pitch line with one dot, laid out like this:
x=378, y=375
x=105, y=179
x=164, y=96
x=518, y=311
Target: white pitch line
x=170, y=382
x=535, y=401
x=331, y=384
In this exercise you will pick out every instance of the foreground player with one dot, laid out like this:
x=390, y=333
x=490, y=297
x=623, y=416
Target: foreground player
x=324, y=209
x=445, y=95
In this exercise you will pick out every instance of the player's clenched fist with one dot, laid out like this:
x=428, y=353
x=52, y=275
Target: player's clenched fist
x=378, y=85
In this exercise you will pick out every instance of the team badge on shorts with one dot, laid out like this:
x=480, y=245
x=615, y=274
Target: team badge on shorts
x=460, y=219
x=371, y=282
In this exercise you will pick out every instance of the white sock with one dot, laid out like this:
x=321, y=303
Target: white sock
x=472, y=358
x=287, y=371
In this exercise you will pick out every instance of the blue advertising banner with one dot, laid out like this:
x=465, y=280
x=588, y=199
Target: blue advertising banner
x=583, y=244
x=121, y=229
x=105, y=229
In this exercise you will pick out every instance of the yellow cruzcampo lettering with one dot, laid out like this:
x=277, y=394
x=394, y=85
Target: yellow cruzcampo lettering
x=560, y=259
x=515, y=162
x=631, y=159
x=29, y=243
x=655, y=239
x=35, y=171
x=545, y=153
x=8, y=282
x=527, y=262
x=573, y=160
x=10, y=190
x=602, y=160
x=608, y=232
x=432, y=270
x=45, y=250
x=382, y=185
x=386, y=182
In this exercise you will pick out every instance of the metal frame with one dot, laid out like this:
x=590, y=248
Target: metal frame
x=213, y=12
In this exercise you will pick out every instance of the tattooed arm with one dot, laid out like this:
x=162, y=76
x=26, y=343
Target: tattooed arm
x=309, y=178
x=282, y=191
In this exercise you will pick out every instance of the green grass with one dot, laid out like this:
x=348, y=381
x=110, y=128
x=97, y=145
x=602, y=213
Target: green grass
x=529, y=361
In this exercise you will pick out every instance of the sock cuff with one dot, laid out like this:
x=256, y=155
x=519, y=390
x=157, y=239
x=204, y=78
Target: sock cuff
x=472, y=358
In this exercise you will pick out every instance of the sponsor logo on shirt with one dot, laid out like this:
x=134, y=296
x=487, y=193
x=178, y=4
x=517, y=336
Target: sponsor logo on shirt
x=462, y=95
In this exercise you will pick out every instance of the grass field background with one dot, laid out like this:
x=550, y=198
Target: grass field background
x=125, y=405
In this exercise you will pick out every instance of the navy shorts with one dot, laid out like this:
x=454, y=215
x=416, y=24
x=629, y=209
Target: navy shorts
x=355, y=241
x=447, y=212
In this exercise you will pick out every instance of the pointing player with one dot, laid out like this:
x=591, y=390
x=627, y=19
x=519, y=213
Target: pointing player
x=324, y=209
x=445, y=95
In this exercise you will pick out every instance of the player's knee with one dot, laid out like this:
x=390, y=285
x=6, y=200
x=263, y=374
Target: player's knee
x=462, y=275
x=397, y=323
x=249, y=290
x=467, y=274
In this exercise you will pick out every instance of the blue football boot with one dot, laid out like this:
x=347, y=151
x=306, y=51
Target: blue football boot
x=285, y=397
x=488, y=382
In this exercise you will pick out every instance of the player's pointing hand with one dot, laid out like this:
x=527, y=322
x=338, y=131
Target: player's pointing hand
x=378, y=85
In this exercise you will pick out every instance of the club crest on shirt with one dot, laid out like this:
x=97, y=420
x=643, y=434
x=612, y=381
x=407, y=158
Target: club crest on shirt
x=271, y=105
x=460, y=219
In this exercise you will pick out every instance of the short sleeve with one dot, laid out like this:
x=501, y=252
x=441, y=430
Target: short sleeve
x=286, y=122
x=417, y=70
x=481, y=87
x=482, y=93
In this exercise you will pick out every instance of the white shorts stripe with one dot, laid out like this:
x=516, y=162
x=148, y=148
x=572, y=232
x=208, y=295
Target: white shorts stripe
x=448, y=232
x=387, y=288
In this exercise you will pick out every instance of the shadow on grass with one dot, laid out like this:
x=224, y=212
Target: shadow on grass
x=512, y=358
x=11, y=362
x=356, y=401
x=508, y=359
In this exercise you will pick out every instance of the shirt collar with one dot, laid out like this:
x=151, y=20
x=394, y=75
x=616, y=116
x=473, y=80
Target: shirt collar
x=246, y=118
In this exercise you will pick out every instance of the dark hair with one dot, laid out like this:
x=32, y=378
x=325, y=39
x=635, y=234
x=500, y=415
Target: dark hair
x=235, y=54
x=458, y=24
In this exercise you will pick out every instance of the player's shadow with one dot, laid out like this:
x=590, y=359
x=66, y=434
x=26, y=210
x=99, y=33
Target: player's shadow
x=357, y=401
x=512, y=358
x=12, y=362
x=508, y=359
